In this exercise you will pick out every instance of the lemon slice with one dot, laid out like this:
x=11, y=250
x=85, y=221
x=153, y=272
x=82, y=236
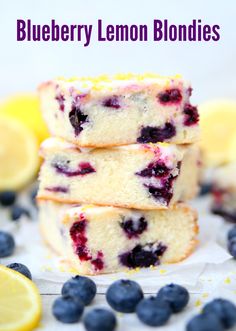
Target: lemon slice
x=20, y=302
x=232, y=150
x=26, y=109
x=19, y=159
x=218, y=128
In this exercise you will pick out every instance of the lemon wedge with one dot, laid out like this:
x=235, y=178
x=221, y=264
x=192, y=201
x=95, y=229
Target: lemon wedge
x=19, y=161
x=26, y=109
x=20, y=302
x=218, y=129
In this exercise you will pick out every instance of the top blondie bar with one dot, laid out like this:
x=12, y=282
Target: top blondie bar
x=118, y=110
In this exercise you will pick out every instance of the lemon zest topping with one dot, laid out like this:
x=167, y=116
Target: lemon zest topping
x=100, y=82
x=227, y=280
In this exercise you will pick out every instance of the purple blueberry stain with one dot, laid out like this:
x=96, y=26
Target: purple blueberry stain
x=152, y=134
x=190, y=91
x=155, y=169
x=84, y=168
x=143, y=256
x=170, y=96
x=134, y=227
x=57, y=189
x=162, y=191
x=61, y=101
x=77, y=118
x=78, y=236
x=98, y=263
x=112, y=102
x=161, y=194
x=191, y=116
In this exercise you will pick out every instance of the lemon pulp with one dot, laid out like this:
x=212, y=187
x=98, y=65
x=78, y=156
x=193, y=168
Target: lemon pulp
x=20, y=302
x=19, y=159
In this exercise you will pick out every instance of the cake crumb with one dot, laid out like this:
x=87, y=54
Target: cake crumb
x=205, y=295
x=133, y=271
x=198, y=303
x=46, y=268
x=227, y=280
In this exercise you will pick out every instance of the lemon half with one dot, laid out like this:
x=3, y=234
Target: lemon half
x=19, y=159
x=20, y=302
x=26, y=109
x=218, y=129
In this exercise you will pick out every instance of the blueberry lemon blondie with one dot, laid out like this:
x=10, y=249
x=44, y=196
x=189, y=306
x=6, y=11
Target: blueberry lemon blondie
x=120, y=110
x=108, y=239
x=150, y=176
x=224, y=192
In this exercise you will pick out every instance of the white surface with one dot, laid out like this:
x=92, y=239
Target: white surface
x=209, y=65
x=203, y=279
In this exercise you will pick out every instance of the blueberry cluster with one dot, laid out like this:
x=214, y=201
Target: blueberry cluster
x=8, y=199
x=157, y=310
x=217, y=315
x=205, y=188
x=7, y=242
x=77, y=293
x=125, y=296
x=232, y=242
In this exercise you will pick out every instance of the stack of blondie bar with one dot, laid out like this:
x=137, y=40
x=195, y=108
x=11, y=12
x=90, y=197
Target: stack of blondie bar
x=117, y=171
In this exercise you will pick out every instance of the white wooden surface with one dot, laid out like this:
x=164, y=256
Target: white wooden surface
x=225, y=286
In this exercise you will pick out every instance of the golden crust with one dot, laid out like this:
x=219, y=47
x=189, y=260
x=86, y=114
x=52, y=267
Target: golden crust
x=79, y=144
x=70, y=201
x=45, y=85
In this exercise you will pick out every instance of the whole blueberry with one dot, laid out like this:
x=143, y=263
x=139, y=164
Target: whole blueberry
x=153, y=312
x=124, y=295
x=204, y=322
x=20, y=268
x=67, y=309
x=82, y=287
x=7, y=198
x=7, y=244
x=224, y=310
x=100, y=320
x=205, y=189
x=17, y=212
x=177, y=296
x=232, y=233
x=33, y=195
x=232, y=247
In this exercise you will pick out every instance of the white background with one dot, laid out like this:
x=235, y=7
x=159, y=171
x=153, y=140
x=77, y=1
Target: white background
x=211, y=66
